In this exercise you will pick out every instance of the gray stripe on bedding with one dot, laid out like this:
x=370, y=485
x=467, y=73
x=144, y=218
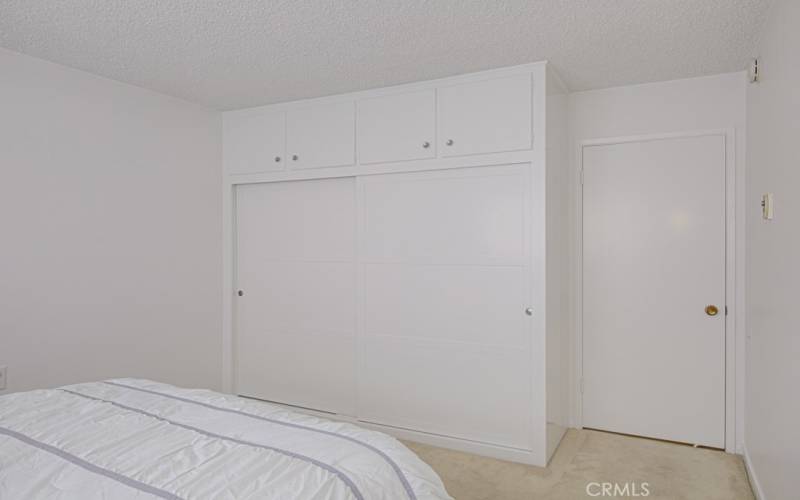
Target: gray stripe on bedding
x=341, y=475
x=387, y=458
x=89, y=466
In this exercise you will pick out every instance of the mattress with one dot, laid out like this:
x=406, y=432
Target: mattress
x=137, y=439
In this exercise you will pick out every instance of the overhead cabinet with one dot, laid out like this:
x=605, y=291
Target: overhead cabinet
x=488, y=116
x=321, y=136
x=310, y=137
x=254, y=142
x=476, y=117
x=397, y=127
x=484, y=117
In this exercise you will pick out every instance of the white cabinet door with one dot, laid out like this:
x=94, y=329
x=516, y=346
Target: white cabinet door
x=397, y=127
x=254, y=142
x=321, y=136
x=295, y=334
x=485, y=117
x=445, y=344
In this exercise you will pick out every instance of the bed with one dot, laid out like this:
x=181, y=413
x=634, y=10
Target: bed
x=138, y=439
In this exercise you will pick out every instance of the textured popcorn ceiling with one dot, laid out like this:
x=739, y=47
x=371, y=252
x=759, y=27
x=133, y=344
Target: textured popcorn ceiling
x=237, y=53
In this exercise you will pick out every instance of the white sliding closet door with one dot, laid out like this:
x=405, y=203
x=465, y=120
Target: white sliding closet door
x=295, y=339
x=445, y=344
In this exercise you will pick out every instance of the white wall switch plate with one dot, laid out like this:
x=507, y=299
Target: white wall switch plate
x=3, y=373
x=766, y=206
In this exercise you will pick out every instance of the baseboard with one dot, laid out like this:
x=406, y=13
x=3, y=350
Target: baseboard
x=752, y=477
x=555, y=433
x=528, y=457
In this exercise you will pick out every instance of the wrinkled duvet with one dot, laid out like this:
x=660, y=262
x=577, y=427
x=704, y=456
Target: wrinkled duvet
x=129, y=438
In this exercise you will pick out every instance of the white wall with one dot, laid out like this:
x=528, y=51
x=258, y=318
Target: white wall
x=709, y=103
x=110, y=211
x=772, y=437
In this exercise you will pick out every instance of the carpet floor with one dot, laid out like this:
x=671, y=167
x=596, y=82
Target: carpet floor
x=671, y=471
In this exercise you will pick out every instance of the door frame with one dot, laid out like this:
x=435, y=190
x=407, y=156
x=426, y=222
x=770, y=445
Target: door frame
x=734, y=275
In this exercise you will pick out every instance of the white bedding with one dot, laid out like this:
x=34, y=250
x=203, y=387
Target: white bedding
x=130, y=438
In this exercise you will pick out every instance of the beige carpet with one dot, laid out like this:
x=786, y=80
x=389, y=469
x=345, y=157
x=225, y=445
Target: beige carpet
x=672, y=471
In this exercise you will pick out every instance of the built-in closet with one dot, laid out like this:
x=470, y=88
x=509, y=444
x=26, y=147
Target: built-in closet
x=396, y=257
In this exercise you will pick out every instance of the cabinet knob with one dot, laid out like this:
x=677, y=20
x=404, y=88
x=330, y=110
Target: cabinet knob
x=294, y=157
x=277, y=159
x=240, y=293
x=449, y=142
x=426, y=144
x=529, y=311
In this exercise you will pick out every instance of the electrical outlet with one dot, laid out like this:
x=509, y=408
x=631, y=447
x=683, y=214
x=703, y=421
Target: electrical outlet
x=3, y=372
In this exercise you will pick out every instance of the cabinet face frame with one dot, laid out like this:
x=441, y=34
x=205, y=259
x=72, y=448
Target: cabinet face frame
x=534, y=157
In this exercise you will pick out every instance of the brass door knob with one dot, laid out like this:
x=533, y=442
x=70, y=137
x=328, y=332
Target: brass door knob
x=712, y=310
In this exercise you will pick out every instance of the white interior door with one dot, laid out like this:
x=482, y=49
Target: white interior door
x=653, y=260
x=445, y=343
x=295, y=340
